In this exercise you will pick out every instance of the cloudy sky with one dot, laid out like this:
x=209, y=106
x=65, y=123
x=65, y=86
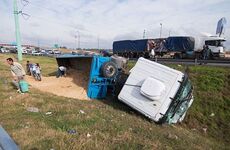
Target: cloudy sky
x=100, y=22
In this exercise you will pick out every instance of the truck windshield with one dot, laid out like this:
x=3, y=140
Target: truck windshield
x=180, y=102
x=185, y=92
x=214, y=43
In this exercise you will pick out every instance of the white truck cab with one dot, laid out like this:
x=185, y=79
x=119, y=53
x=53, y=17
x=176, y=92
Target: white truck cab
x=157, y=91
x=216, y=45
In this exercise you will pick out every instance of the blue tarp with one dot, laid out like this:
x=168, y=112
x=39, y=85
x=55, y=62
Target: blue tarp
x=181, y=44
x=130, y=46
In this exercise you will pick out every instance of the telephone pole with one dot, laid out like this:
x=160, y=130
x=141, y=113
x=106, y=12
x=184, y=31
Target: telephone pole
x=160, y=29
x=98, y=42
x=17, y=32
x=144, y=34
x=78, y=37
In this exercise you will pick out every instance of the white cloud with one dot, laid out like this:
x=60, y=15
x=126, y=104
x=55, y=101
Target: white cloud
x=54, y=21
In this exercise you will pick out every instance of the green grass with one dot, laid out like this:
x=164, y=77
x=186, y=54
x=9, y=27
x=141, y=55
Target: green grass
x=112, y=124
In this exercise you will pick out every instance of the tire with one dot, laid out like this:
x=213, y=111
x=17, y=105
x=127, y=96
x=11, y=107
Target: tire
x=109, y=70
x=177, y=56
x=39, y=77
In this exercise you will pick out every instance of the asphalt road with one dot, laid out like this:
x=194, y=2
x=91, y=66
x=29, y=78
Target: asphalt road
x=222, y=63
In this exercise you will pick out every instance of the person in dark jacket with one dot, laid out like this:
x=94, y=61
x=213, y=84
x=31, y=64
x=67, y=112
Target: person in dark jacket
x=28, y=66
x=206, y=52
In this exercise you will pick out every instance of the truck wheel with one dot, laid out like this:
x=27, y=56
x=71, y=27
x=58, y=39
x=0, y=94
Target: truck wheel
x=109, y=69
x=177, y=56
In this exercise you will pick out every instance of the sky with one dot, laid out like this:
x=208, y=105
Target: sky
x=97, y=23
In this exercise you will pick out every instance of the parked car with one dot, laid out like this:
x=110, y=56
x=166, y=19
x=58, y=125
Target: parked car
x=24, y=51
x=56, y=52
x=49, y=51
x=4, y=50
x=36, y=53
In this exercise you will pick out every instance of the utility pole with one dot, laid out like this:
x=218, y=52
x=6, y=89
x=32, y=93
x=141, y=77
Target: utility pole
x=75, y=36
x=98, y=42
x=144, y=34
x=17, y=32
x=38, y=43
x=160, y=29
x=78, y=40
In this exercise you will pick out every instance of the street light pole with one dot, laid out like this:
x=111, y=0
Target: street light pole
x=98, y=42
x=160, y=29
x=75, y=36
x=144, y=34
x=78, y=40
x=17, y=32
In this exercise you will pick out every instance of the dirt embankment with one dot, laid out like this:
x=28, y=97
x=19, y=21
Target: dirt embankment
x=72, y=86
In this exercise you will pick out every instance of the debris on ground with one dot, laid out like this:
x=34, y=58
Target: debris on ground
x=88, y=135
x=72, y=131
x=205, y=130
x=212, y=115
x=32, y=109
x=172, y=137
x=82, y=112
x=48, y=113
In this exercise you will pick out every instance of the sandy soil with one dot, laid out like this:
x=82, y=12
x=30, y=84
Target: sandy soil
x=71, y=87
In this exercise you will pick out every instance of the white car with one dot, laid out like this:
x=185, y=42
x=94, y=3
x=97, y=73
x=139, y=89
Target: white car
x=56, y=52
x=161, y=93
x=4, y=50
x=36, y=53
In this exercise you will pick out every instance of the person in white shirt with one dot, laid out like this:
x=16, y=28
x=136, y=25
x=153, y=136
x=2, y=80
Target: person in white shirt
x=61, y=71
x=38, y=72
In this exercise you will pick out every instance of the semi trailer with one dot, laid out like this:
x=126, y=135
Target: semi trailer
x=175, y=46
x=136, y=48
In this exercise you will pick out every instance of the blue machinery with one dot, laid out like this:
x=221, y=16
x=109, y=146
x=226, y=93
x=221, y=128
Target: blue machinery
x=91, y=65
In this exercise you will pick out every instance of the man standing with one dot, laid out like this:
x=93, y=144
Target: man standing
x=28, y=66
x=17, y=71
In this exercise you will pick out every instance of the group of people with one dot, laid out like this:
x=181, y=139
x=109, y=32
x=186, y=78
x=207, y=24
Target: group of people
x=34, y=69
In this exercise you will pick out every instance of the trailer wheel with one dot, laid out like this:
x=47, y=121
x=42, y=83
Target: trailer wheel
x=109, y=69
x=177, y=56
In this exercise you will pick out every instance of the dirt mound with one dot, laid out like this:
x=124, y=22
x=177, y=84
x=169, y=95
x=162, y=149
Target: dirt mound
x=72, y=86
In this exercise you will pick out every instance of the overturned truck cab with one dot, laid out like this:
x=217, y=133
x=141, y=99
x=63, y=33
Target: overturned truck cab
x=157, y=91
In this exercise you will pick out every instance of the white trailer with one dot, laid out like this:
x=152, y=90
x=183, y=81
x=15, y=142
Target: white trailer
x=157, y=91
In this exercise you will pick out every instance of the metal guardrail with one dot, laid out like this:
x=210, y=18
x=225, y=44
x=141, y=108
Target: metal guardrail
x=6, y=143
